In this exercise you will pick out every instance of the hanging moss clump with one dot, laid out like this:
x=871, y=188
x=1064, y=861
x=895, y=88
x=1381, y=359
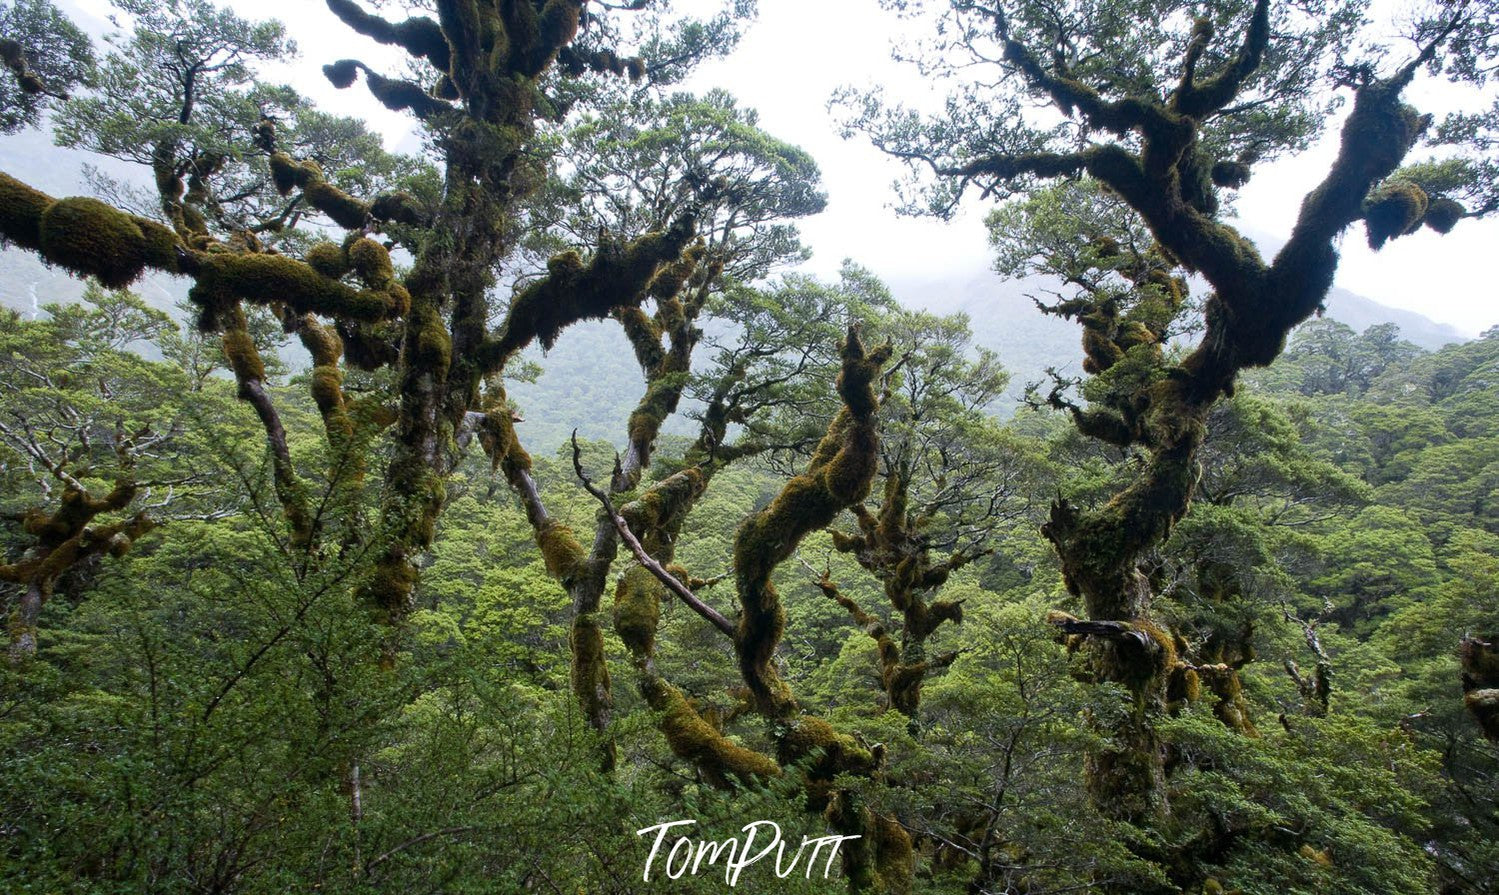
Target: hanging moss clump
x=419, y=36
x=637, y=610
x=1231, y=707
x=1230, y=174
x=21, y=209
x=895, y=860
x=560, y=550
x=85, y=236
x=399, y=96
x=559, y=21
x=14, y=57
x=1443, y=214
x=1393, y=210
x=1184, y=686
x=342, y=74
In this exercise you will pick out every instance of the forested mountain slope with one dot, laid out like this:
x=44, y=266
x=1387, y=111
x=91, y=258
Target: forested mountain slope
x=1347, y=538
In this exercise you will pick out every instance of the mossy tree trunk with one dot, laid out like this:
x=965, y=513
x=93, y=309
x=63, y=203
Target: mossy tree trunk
x=432, y=325
x=1143, y=400
x=838, y=475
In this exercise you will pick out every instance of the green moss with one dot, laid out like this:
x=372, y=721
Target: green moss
x=398, y=207
x=590, y=668
x=1396, y=208
x=560, y=550
x=428, y=339
x=1194, y=175
x=287, y=174
x=328, y=259
x=21, y=210
x=89, y=237
x=665, y=503
x=326, y=349
x=223, y=277
x=1230, y=707
x=345, y=210
x=659, y=402
x=1165, y=644
x=372, y=262
x=895, y=862
x=390, y=586
x=838, y=475
x=720, y=759
x=637, y=610
x=671, y=278
x=644, y=336
x=572, y=291
x=1442, y=214
x=1230, y=174
x=327, y=387
x=371, y=346
x=902, y=681
x=244, y=358
x=1099, y=351
x=1192, y=685
x=830, y=751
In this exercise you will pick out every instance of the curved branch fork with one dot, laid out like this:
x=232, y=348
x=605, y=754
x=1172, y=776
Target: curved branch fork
x=648, y=562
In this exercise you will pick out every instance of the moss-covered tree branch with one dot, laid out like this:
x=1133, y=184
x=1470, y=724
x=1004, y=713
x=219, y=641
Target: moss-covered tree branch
x=838, y=476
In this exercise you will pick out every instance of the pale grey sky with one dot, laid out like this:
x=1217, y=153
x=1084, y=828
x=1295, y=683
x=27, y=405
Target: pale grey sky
x=799, y=52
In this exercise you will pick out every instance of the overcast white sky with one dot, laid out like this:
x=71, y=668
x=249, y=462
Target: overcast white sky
x=798, y=52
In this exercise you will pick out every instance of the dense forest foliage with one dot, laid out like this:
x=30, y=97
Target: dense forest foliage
x=1217, y=615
